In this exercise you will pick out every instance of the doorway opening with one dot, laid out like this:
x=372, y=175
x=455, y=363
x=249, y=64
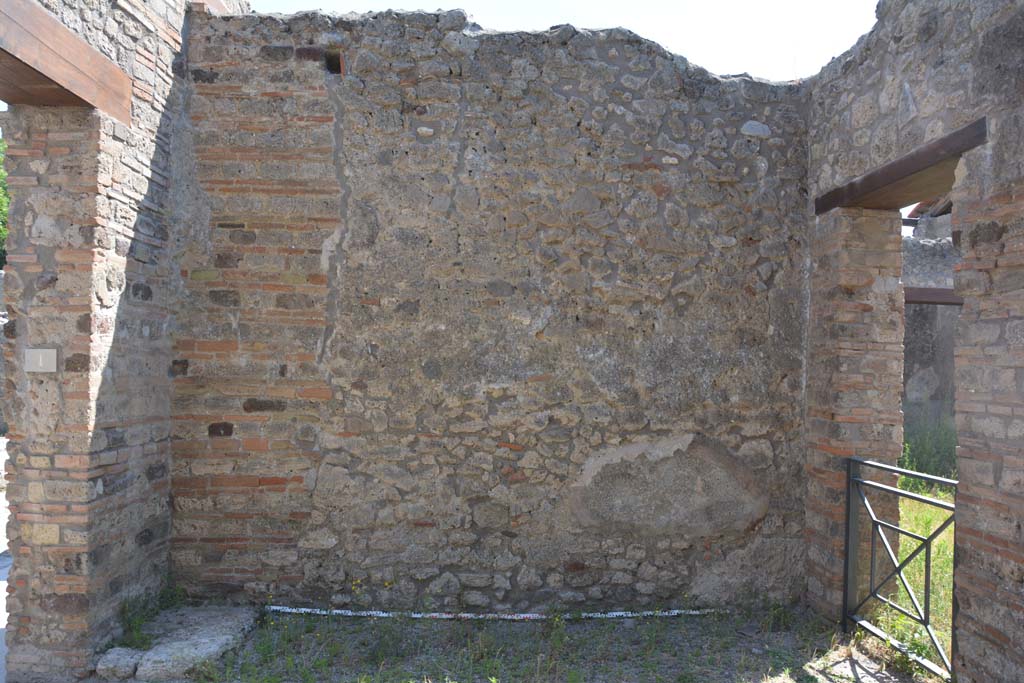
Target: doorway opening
x=915, y=603
x=898, y=580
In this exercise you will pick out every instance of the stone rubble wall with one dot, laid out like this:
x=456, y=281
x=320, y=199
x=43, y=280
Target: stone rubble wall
x=926, y=69
x=929, y=262
x=934, y=227
x=90, y=274
x=487, y=321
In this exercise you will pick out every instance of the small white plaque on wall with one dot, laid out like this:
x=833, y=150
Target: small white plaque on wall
x=40, y=360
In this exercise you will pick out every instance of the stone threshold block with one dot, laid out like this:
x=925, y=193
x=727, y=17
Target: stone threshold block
x=183, y=639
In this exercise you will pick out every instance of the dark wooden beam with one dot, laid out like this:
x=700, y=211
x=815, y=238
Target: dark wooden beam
x=926, y=172
x=940, y=296
x=42, y=62
x=21, y=84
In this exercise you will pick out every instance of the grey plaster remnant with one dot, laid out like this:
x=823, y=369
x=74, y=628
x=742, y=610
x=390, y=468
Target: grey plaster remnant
x=329, y=257
x=512, y=319
x=651, y=450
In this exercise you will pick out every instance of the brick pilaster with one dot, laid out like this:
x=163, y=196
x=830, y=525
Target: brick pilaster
x=989, y=576
x=53, y=488
x=854, y=375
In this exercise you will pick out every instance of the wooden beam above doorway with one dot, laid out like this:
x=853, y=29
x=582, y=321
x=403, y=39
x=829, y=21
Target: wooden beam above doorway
x=926, y=172
x=42, y=62
x=939, y=296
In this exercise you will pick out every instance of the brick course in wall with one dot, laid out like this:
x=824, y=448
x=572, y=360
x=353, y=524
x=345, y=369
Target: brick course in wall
x=855, y=376
x=878, y=101
x=53, y=489
x=247, y=390
x=88, y=274
x=989, y=573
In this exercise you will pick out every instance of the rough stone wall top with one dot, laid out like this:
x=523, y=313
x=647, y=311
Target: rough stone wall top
x=483, y=320
x=117, y=27
x=487, y=320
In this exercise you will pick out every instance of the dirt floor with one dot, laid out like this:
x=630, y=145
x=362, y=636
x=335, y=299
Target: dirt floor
x=773, y=646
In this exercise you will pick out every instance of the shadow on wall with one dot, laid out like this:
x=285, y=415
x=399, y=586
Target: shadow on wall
x=132, y=320
x=928, y=371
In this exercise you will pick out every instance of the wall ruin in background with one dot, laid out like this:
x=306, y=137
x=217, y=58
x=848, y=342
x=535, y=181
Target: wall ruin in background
x=929, y=259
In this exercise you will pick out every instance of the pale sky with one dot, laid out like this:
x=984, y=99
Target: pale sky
x=773, y=39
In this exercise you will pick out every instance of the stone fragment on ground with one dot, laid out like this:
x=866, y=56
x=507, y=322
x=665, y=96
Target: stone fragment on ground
x=183, y=639
x=118, y=664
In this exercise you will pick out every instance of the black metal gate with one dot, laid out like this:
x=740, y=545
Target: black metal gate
x=879, y=589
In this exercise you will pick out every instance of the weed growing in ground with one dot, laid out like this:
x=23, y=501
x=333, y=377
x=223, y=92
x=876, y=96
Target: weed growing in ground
x=777, y=618
x=709, y=649
x=137, y=612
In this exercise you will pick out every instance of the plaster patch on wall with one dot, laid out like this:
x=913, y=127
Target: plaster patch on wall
x=685, y=486
x=652, y=450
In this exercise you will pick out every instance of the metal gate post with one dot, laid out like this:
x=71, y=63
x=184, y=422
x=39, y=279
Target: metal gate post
x=850, y=577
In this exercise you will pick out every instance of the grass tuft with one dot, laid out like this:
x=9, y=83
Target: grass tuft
x=791, y=647
x=137, y=612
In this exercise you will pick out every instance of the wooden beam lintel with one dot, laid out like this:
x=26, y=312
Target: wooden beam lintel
x=939, y=296
x=54, y=61
x=926, y=172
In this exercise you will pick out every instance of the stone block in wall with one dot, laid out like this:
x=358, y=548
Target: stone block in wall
x=88, y=275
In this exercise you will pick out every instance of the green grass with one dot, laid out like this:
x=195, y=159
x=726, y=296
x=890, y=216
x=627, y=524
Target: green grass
x=922, y=519
x=930, y=449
